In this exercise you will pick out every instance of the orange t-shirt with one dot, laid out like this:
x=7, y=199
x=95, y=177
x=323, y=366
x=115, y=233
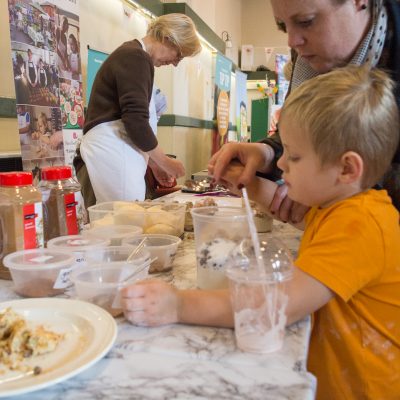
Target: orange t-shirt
x=353, y=248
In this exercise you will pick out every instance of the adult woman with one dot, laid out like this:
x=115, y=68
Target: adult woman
x=325, y=34
x=118, y=139
x=31, y=70
x=61, y=39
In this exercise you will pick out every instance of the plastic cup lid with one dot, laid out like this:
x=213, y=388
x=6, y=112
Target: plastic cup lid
x=43, y=258
x=76, y=243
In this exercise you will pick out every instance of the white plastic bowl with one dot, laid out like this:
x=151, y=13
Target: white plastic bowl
x=161, y=247
x=34, y=272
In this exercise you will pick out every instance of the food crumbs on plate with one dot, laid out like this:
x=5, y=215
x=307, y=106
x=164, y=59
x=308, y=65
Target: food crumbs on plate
x=18, y=342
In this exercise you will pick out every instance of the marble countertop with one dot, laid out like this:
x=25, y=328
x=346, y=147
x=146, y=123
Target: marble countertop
x=188, y=362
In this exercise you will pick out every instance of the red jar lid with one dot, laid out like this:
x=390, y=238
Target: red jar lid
x=54, y=173
x=16, y=178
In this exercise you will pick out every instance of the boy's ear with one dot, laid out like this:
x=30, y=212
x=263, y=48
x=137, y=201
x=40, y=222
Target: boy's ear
x=352, y=167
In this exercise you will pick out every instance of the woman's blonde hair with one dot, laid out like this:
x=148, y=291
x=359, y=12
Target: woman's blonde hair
x=179, y=30
x=349, y=109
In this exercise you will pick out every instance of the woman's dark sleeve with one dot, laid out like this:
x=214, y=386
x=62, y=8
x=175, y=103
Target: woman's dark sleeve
x=275, y=142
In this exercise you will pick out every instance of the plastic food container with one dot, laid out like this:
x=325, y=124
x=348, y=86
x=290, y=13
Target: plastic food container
x=152, y=217
x=100, y=283
x=164, y=247
x=39, y=272
x=117, y=255
x=77, y=244
x=114, y=233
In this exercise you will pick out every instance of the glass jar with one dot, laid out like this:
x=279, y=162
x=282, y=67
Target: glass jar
x=21, y=215
x=64, y=211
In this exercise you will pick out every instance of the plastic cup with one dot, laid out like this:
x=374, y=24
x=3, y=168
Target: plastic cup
x=259, y=298
x=218, y=234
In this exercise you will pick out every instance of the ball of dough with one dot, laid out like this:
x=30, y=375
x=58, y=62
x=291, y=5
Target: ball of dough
x=162, y=229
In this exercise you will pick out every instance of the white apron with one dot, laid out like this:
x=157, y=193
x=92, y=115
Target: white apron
x=115, y=166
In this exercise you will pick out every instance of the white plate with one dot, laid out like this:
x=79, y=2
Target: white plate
x=89, y=332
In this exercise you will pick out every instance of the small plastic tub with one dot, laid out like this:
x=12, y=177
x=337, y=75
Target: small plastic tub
x=161, y=247
x=152, y=217
x=117, y=255
x=39, y=272
x=79, y=245
x=114, y=233
x=100, y=284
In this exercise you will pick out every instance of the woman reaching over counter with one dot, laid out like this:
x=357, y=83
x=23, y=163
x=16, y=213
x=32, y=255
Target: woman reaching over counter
x=348, y=277
x=118, y=140
x=325, y=34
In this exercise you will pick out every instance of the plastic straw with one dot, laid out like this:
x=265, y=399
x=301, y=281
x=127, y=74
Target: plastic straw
x=253, y=231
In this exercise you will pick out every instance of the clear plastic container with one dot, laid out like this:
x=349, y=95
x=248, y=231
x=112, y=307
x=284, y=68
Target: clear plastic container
x=152, y=217
x=63, y=209
x=162, y=248
x=117, y=255
x=38, y=272
x=114, y=233
x=21, y=216
x=100, y=283
x=78, y=245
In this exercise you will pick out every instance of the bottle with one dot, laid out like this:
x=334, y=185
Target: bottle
x=64, y=212
x=21, y=215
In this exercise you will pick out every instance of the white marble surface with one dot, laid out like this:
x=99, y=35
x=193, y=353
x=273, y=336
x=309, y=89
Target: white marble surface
x=187, y=362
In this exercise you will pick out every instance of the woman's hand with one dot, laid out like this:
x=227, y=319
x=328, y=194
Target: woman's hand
x=150, y=303
x=173, y=167
x=253, y=156
x=285, y=209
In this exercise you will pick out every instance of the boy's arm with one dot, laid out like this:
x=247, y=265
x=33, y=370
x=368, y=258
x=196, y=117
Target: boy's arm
x=154, y=303
x=306, y=295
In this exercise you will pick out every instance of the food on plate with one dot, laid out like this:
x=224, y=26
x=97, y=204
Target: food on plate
x=19, y=341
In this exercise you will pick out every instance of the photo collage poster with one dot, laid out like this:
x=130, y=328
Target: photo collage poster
x=45, y=51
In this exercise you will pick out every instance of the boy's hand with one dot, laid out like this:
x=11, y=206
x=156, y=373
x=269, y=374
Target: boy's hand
x=150, y=303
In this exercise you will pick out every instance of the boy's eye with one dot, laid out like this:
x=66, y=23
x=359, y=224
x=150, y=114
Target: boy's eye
x=305, y=23
x=293, y=158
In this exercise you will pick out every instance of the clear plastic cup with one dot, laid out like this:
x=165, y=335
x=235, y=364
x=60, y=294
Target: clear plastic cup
x=218, y=233
x=259, y=297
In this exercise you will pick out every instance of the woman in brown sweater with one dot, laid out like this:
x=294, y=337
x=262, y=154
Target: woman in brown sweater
x=118, y=140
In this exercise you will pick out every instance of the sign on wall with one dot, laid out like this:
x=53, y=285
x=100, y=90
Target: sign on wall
x=241, y=106
x=222, y=88
x=95, y=60
x=46, y=62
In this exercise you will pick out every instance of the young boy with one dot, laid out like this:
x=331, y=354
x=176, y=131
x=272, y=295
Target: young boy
x=339, y=132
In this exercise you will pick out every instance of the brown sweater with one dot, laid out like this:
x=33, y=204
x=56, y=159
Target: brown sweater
x=122, y=90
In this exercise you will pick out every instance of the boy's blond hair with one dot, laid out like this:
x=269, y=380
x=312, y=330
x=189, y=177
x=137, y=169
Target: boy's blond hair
x=349, y=109
x=178, y=29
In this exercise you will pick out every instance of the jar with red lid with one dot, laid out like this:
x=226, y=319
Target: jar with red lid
x=64, y=211
x=21, y=215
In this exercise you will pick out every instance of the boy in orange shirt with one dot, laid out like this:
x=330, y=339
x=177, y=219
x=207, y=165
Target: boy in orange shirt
x=339, y=132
